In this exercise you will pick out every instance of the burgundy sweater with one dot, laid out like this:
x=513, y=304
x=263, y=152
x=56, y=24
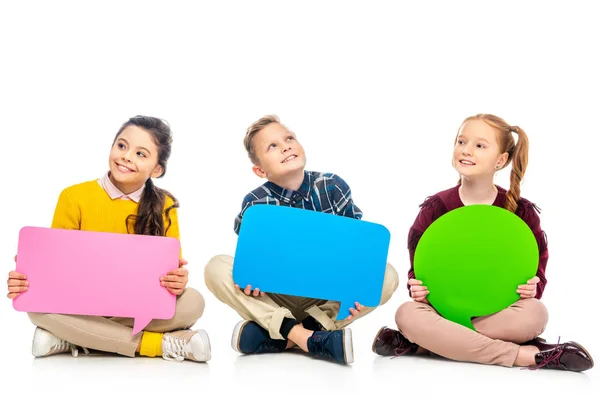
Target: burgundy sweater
x=437, y=205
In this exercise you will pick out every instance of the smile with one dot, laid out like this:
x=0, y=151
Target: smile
x=465, y=162
x=289, y=158
x=124, y=169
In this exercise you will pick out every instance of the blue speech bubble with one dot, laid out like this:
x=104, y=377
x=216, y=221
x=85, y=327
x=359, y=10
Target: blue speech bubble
x=299, y=252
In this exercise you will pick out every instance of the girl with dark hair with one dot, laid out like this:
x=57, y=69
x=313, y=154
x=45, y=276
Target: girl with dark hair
x=125, y=200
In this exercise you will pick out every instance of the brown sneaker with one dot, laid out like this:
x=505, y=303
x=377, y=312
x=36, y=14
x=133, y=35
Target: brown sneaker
x=390, y=342
x=46, y=344
x=569, y=356
x=186, y=345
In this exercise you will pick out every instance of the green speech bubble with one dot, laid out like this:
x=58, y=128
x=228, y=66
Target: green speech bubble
x=472, y=259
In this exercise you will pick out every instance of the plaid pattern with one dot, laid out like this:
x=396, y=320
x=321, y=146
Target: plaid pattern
x=319, y=191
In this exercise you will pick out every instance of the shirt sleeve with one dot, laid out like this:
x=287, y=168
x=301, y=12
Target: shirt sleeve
x=343, y=202
x=528, y=212
x=238, y=219
x=248, y=202
x=431, y=209
x=67, y=214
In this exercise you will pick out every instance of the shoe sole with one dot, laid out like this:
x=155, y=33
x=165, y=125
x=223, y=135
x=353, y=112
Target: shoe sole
x=36, y=349
x=348, y=348
x=586, y=353
x=375, y=340
x=235, y=337
x=206, y=341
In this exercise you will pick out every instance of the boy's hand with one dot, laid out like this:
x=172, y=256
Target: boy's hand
x=248, y=291
x=355, y=311
x=529, y=290
x=418, y=292
x=176, y=280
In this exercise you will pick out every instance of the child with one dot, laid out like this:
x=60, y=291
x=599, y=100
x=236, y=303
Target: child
x=125, y=200
x=273, y=323
x=483, y=146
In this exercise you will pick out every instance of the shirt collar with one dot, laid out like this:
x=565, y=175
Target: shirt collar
x=288, y=195
x=115, y=193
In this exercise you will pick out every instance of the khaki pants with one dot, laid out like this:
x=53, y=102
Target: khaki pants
x=269, y=311
x=113, y=335
x=495, y=341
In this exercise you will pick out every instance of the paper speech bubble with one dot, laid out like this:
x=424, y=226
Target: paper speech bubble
x=96, y=273
x=312, y=254
x=472, y=259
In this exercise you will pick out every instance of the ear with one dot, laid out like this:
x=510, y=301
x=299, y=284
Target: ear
x=157, y=172
x=501, y=162
x=258, y=171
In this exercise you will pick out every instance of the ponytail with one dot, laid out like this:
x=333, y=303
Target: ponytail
x=519, y=155
x=149, y=218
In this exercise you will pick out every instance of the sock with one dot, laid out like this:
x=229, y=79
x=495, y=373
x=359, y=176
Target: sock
x=286, y=326
x=151, y=345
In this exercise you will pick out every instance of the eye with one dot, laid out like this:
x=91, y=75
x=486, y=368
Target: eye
x=460, y=141
x=272, y=146
x=290, y=138
x=120, y=146
x=481, y=146
x=140, y=154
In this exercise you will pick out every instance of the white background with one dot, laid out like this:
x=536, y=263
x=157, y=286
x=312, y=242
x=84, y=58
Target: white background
x=375, y=92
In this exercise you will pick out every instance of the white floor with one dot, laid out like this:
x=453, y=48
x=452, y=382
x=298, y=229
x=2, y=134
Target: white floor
x=289, y=375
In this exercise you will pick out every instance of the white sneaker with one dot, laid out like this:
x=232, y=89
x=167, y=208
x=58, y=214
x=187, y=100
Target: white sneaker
x=46, y=344
x=186, y=345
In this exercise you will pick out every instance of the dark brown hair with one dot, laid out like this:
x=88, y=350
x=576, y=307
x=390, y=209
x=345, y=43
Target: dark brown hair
x=149, y=217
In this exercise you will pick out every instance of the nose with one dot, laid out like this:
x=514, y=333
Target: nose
x=126, y=156
x=467, y=151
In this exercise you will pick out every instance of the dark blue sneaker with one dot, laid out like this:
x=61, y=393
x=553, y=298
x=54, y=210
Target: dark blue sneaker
x=333, y=346
x=250, y=338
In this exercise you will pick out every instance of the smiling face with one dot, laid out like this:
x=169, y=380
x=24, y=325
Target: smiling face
x=476, y=150
x=133, y=159
x=278, y=152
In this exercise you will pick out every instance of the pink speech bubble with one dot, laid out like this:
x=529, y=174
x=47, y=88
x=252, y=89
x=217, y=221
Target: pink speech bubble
x=96, y=273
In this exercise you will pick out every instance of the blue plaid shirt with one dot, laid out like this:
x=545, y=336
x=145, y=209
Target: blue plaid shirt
x=319, y=191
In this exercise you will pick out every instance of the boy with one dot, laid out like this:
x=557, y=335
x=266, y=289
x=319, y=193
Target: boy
x=273, y=323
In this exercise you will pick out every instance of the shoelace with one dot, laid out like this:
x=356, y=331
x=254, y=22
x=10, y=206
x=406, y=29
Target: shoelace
x=552, y=358
x=174, y=348
x=64, y=346
x=401, y=353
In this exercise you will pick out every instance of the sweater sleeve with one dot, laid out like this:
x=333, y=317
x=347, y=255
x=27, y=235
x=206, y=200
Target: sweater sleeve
x=67, y=214
x=173, y=230
x=528, y=212
x=431, y=209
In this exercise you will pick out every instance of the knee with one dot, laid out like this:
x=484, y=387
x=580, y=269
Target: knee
x=538, y=314
x=390, y=284
x=218, y=271
x=37, y=318
x=405, y=314
x=190, y=306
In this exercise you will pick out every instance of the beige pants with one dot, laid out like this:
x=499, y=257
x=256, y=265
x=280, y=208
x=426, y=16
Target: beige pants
x=269, y=311
x=495, y=340
x=113, y=335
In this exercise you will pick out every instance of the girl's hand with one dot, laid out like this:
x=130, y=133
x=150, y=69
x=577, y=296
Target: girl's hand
x=418, y=292
x=175, y=281
x=16, y=283
x=529, y=290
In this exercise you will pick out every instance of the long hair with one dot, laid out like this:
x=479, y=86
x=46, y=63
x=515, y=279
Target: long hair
x=149, y=217
x=517, y=153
